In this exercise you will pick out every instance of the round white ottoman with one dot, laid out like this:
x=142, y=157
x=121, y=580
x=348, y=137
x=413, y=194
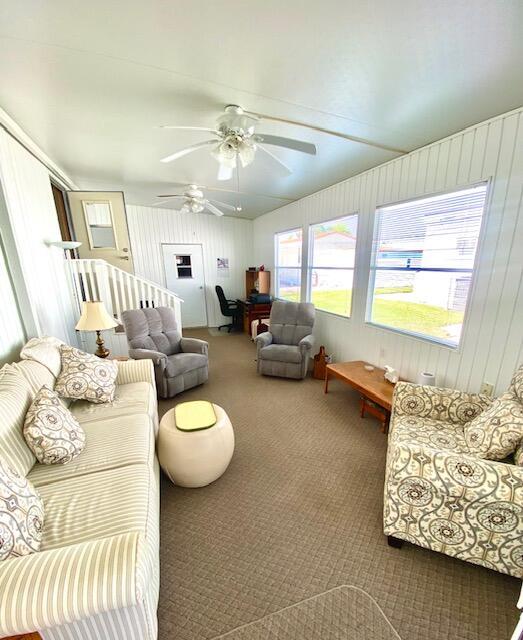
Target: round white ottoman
x=195, y=458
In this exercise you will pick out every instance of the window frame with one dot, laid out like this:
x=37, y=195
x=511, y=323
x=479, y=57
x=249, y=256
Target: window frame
x=440, y=342
x=277, y=266
x=310, y=263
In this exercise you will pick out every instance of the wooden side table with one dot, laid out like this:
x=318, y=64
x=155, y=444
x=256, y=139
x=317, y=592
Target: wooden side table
x=375, y=391
x=25, y=636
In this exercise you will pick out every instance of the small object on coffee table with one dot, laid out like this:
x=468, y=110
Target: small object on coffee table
x=375, y=391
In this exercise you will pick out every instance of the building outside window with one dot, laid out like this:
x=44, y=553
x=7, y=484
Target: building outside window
x=287, y=260
x=331, y=264
x=423, y=261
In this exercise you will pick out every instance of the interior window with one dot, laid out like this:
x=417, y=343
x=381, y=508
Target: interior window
x=422, y=264
x=331, y=267
x=287, y=260
x=99, y=219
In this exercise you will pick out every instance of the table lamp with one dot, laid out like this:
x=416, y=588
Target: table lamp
x=95, y=318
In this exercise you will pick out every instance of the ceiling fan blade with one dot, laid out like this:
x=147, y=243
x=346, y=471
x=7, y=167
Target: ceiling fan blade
x=172, y=195
x=175, y=126
x=161, y=202
x=184, y=152
x=213, y=209
x=223, y=205
x=288, y=170
x=225, y=173
x=288, y=143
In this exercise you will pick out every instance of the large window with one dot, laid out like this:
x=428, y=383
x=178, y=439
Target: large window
x=287, y=260
x=331, y=264
x=423, y=258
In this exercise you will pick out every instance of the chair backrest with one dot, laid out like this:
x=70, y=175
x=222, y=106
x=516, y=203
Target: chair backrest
x=291, y=321
x=224, y=306
x=153, y=328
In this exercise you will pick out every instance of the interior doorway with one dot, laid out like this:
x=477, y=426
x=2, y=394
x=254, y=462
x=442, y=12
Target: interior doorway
x=184, y=275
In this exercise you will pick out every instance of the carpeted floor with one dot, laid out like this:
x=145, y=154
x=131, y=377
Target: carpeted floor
x=298, y=512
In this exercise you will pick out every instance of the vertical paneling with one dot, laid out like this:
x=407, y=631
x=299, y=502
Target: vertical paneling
x=492, y=341
x=12, y=335
x=224, y=237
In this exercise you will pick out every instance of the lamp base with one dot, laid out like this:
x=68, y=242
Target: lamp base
x=101, y=351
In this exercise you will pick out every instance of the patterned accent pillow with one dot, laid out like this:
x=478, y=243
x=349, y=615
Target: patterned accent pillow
x=86, y=377
x=516, y=384
x=51, y=431
x=21, y=515
x=496, y=432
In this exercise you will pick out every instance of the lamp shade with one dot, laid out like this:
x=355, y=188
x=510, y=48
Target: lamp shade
x=95, y=318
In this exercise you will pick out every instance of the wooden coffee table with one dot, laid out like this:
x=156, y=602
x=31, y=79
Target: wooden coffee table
x=375, y=391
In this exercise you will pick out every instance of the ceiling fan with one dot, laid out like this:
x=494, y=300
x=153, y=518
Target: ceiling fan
x=194, y=201
x=235, y=137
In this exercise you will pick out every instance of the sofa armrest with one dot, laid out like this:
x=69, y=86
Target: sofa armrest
x=60, y=586
x=135, y=371
x=437, y=403
x=263, y=339
x=306, y=343
x=157, y=357
x=193, y=345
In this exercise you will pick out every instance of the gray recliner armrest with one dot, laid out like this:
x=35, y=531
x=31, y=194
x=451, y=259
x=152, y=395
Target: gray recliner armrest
x=157, y=357
x=263, y=339
x=193, y=345
x=306, y=343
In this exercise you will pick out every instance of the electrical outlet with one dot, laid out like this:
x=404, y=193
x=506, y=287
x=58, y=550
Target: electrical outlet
x=487, y=389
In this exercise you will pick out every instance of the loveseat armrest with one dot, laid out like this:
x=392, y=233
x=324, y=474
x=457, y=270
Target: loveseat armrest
x=135, y=371
x=263, y=339
x=437, y=403
x=67, y=584
x=194, y=345
x=306, y=343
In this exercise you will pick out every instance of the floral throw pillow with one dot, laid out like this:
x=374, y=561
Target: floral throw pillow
x=497, y=432
x=21, y=515
x=51, y=431
x=516, y=384
x=86, y=377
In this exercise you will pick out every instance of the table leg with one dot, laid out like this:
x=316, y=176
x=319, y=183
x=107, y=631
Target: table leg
x=362, y=407
x=385, y=423
x=326, y=388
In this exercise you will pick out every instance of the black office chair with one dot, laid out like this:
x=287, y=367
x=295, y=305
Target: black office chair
x=230, y=309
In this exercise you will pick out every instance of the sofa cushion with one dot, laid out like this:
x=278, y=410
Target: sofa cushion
x=496, y=432
x=281, y=353
x=110, y=444
x=51, y=431
x=15, y=399
x=97, y=505
x=182, y=362
x=129, y=399
x=427, y=432
x=46, y=352
x=86, y=377
x=21, y=515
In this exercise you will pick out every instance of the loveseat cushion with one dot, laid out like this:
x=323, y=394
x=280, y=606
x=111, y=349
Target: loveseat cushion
x=129, y=399
x=281, y=353
x=180, y=363
x=497, y=432
x=427, y=432
x=110, y=444
x=15, y=399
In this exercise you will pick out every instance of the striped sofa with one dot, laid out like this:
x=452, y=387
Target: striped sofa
x=97, y=572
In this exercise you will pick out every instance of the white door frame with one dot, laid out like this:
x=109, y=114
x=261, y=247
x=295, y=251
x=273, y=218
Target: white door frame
x=187, y=244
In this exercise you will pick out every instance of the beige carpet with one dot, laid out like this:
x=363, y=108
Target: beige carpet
x=297, y=513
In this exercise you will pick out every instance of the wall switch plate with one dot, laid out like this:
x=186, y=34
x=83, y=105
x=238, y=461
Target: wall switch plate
x=487, y=389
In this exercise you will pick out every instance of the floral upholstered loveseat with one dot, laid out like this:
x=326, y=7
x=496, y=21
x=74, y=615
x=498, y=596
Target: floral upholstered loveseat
x=441, y=495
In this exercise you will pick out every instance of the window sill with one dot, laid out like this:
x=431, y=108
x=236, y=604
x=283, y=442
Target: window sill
x=416, y=336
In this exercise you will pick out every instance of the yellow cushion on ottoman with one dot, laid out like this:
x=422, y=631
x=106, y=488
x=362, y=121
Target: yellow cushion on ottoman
x=194, y=416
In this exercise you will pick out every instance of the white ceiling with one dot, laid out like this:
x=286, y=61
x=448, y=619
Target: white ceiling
x=91, y=81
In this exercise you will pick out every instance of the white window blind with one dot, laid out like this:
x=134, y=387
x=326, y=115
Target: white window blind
x=331, y=264
x=422, y=263
x=287, y=261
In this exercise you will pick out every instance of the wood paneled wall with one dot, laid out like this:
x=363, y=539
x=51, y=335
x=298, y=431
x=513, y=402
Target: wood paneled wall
x=492, y=340
x=224, y=237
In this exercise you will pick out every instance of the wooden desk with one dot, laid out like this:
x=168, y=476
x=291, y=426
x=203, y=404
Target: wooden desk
x=375, y=391
x=253, y=311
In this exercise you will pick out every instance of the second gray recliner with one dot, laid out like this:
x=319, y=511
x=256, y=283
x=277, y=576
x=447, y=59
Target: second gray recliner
x=179, y=363
x=285, y=350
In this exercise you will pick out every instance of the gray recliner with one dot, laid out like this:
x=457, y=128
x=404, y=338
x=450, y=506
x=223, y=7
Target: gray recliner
x=285, y=350
x=179, y=363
